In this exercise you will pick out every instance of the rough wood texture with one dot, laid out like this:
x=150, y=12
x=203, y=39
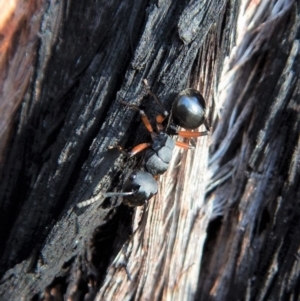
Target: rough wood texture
x=19, y=25
x=255, y=162
x=237, y=241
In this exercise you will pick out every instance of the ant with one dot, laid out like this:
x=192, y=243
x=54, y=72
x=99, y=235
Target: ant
x=188, y=111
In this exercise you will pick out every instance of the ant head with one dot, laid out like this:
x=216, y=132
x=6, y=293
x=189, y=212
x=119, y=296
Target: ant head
x=188, y=110
x=142, y=185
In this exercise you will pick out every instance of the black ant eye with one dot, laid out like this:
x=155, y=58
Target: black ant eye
x=188, y=109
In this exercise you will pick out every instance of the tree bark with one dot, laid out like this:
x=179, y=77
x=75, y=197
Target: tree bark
x=224, y=224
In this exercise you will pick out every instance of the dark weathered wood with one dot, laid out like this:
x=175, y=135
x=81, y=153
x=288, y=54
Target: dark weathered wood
x=241, y=241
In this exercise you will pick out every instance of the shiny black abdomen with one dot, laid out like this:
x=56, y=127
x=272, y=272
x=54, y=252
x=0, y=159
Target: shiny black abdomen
x=188, y=110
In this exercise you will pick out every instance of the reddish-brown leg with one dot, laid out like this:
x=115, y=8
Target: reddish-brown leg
x=161, y=117
x=138, y=148
x=184, y=145
x=144, y=117
x=159, y=120
x=190, y=134
x=146, y=122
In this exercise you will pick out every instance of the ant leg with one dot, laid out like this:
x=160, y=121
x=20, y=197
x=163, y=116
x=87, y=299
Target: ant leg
x=165, y=113
x=134, y=151
x=161, y=117
x=119, y=147
x=138, y=148
x=159, y=120
x=184, y=145
x=144, y=117
x=190, y=134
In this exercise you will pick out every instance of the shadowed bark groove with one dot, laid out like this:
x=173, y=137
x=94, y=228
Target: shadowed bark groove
x=224, y=224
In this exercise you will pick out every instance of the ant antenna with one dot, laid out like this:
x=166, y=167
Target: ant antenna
x=102, y=197
x=165, y=112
